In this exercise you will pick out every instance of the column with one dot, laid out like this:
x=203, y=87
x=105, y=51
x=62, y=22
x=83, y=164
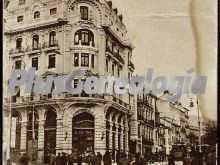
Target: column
x=67, y=136
x=102, y=56
x=23, y=136
x=60, y=134
x=122, y=138
x=166, y=141
x=100, y=132
x=40, y=151
x=126, y=134
x=116, y=137
x=110, y=135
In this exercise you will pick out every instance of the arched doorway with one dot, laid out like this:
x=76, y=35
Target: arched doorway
x=50, y=134
x=83, y=133
x=32, y=134
x=15, y=136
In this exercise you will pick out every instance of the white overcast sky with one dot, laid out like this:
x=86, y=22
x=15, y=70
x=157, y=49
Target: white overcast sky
x=162, y=35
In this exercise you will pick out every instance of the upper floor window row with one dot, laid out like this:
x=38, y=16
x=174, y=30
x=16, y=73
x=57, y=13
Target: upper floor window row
x=86, y=37
x=36, y=41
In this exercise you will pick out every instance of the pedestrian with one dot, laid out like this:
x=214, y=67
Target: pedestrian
x=99, y=158
x=24, y=159
x=63, y=159
x=171, y=159
x=58, y=158
x=107, y=158
x=52, y=159
x=79, y=159
x=187, y=160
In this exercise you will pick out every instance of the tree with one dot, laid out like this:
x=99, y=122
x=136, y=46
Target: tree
x=210, y=132
x=193, y=138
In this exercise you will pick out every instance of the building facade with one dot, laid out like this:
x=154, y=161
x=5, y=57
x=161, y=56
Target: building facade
x=57, y=37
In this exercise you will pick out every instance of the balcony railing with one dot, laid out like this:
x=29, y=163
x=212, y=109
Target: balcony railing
x=116, y=55
x=49, y=44
x=33, y=47
x=65, y=95
x=16, y=51
x=131, y=65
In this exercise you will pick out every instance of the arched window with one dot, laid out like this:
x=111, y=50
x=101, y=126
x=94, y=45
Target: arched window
x=50, y=134
x=83, y=133
x=35, y=42
x=16, y=125
x=85, y=36
x=52, y=38
x=19, y=43
x=36, y=14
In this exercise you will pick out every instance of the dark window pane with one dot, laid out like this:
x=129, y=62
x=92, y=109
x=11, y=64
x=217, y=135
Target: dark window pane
x=52, y=61
x=36, y=14
x=106, y=63
x=113, y=69
x=20, y=18
x=84, y=12
x=35, y=42
x=76, y=59
x=21, y=2
x=93, y=61
x=35, y=63
x=84, y=59
x=53, y=11
x=52, y=38
x=18, y=43
x=18, y=64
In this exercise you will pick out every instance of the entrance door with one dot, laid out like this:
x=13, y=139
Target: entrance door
x=50, y=135
x=83, y=133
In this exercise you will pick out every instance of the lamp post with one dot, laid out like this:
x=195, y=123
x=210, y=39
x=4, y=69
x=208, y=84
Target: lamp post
x=10, y=113
x=199, y=124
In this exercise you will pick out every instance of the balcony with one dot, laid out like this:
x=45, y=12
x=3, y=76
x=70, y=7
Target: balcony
x=51, y=97
x=115, y=55
x=31, y=49
x=16, y=52
x=52, y=45
x=131, y=65
x=147, y=141
x=140, y=117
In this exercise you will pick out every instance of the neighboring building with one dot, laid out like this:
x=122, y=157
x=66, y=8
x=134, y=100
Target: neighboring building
x=146, y=122
x=177, y=117
x=57, y=37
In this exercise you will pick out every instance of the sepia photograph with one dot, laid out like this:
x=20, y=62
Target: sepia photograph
x=109, y=82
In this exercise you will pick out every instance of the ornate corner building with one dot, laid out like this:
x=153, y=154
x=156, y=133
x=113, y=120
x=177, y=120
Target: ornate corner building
x=57, y=37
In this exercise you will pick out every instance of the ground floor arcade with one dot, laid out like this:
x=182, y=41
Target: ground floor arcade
x=74, y=126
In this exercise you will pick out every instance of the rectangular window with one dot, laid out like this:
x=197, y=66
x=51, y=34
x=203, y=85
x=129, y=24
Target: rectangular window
x=52, y=61
x=119, y=72
x=85, y=60
x=106, y=65
x=21, y=2
x=113, y=69
x=93, y=61
x=35, y=63
x=18, y=64
x=76, y=83
x=53, y=11
x=76, y=59
x=20, y=18
x=84, y=12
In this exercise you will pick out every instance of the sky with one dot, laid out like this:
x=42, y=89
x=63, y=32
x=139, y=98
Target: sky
x=164, y=40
